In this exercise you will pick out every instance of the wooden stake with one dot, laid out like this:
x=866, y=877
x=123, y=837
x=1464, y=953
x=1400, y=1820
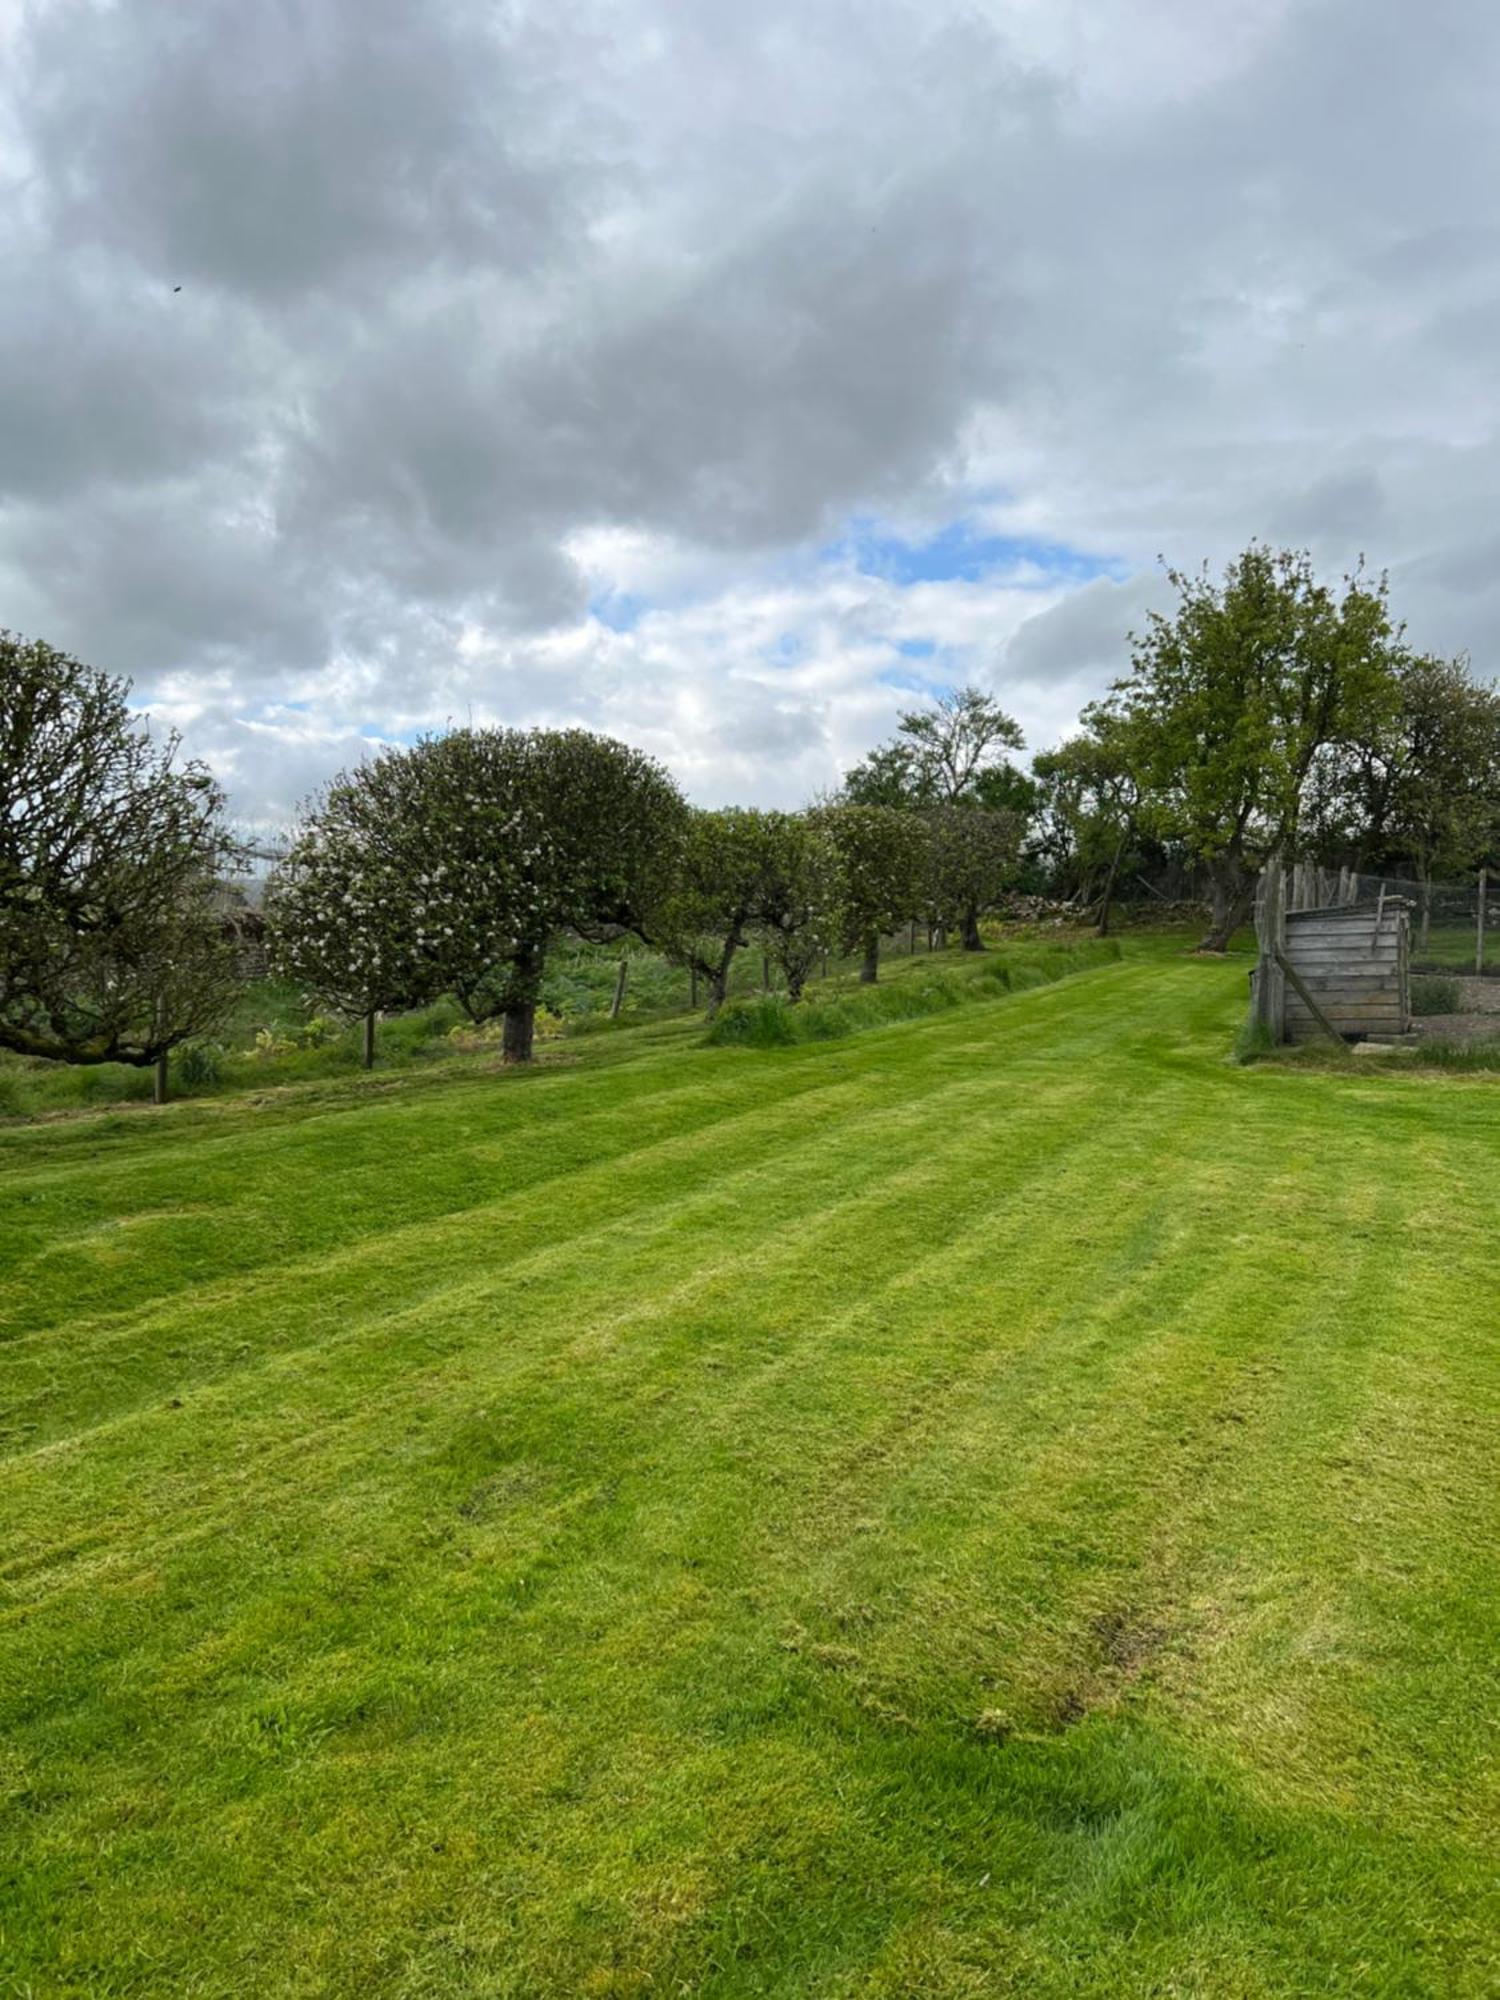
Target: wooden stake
x=1268, y=1007
x=367, y=1052
x=619, y=999
x=1484, y=880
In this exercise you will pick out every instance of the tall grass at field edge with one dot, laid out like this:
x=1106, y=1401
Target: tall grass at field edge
x=772, y=1021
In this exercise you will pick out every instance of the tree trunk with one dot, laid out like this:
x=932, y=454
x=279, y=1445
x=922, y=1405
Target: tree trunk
x=519, y=1031
x=969, y=931
x=938, y=938
x=1102, y=928
x=796, y=978
x=1425, y=880
x=869, y=972
x=159, y=1081
x=1232, y=894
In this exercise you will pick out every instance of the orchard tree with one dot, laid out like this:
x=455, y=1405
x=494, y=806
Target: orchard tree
x=800, y=912
x=973, y=855
x=600, y=827
x=704, y=916
x=517, y=836
x=1230, y=703
x=344, y=908
x=1091, y=798
x=883, y=859
x=452, y=867
x=949, y=754
x=112, y=947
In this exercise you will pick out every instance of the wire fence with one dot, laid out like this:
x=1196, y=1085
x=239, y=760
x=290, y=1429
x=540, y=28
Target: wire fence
x=1455, y=922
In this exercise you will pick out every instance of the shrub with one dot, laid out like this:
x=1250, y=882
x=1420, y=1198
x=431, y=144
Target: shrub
x=200, y=1064
x=1433, y=993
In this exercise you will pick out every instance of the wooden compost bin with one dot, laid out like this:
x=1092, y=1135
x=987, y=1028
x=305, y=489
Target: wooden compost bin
x=1354, y=963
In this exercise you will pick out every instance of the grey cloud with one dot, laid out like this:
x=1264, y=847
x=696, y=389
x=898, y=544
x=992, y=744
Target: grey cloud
x=461, y=282
x=1084, y=638
x=1348, y=508
x=269, y=149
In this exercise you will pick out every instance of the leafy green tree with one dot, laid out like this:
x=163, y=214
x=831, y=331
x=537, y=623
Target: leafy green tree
x=453, y=866
x=949, y=754
x=524, y=835
x=706, y=912
x=800, y=912
x=883, y=857
x=891, y=776
x=1230, y=702
x=973, y=855
x=345, y=910
x=1091, y=801
x=112, y=947
x=1424, y=784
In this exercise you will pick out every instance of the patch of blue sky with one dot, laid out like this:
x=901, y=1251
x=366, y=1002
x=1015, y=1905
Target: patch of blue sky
x=909, y=681
x=787, y=651
x=962, y=552
x=618, y=609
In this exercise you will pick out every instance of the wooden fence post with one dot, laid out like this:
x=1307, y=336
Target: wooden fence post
x=1484, y=882
x=1268, y=1002
x=367, y=1046
x=619, y=1000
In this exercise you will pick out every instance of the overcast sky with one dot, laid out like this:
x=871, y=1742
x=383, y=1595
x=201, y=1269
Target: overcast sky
x=721, y=373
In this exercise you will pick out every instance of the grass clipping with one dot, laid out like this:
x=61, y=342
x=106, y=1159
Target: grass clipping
x=772, y=1022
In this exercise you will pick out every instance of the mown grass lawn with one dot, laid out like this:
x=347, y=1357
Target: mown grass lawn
x=1000, y=1504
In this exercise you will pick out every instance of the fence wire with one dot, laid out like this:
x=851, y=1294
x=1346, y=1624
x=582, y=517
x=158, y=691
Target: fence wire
x=1455, y=922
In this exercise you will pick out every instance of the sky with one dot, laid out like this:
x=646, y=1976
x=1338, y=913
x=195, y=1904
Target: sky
x=724, y=377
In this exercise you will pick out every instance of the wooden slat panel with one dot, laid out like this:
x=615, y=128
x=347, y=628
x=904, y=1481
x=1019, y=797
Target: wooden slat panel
x=1356, y=984
x=1351, y=941
x=1345, y=968
x=1343, y=954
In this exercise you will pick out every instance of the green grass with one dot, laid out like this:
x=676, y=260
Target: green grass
x=770, y=1021
x=1003, y=1503
x=277, y=1035
x=1450, y=946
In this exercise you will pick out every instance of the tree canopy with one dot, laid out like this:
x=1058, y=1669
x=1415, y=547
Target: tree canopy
x=884, y=863
x=951, y=753
x=112, y=947
x=452, y=866
x=1229, y=703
